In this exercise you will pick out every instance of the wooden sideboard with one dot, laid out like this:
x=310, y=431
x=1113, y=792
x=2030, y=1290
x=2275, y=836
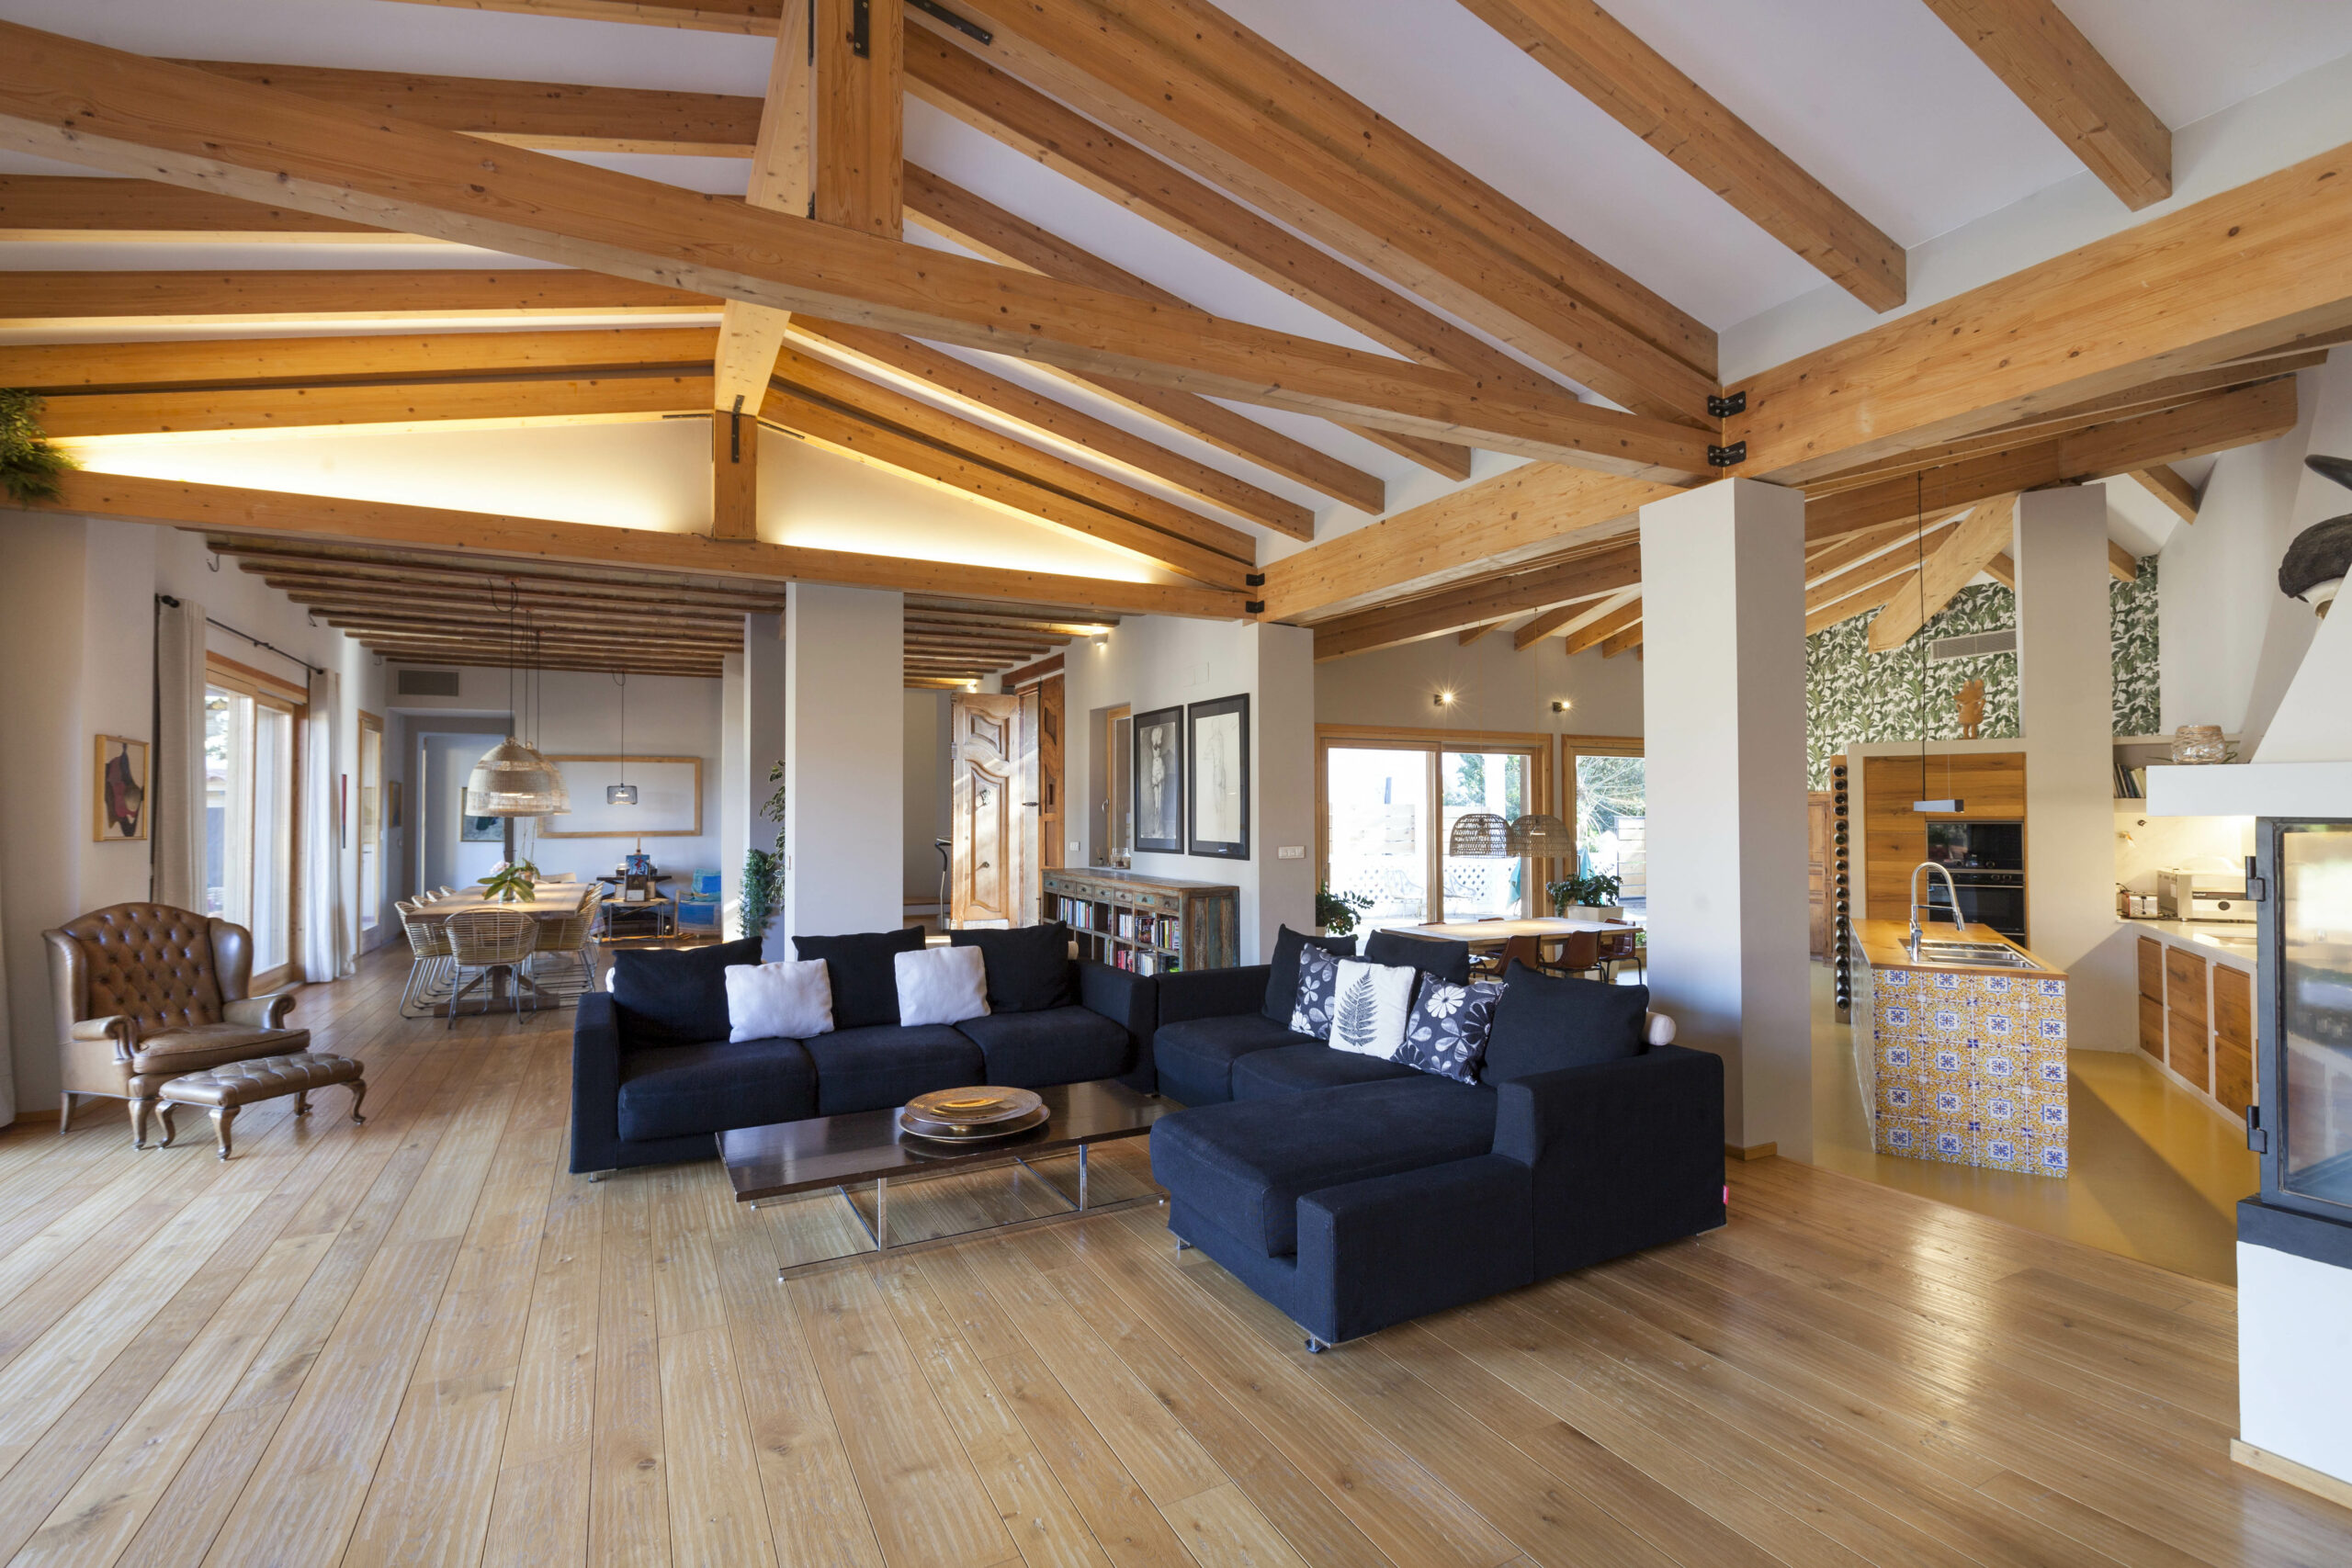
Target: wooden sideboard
x=1152, y=925
x=2197, y=1021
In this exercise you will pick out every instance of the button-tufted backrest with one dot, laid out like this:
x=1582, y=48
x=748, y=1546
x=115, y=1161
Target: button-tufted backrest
x=150, y=962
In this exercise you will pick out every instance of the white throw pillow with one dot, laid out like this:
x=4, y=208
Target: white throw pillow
x=940, y=985
x=779, y=1001
x=1370, y=1007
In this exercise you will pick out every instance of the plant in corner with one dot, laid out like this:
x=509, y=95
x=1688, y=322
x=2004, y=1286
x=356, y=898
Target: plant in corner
x=29, y=464
x=514, y=882
x=1335, y=913
x=764, y=869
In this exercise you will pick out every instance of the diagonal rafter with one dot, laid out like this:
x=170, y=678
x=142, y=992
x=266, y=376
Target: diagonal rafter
x=1975, y=540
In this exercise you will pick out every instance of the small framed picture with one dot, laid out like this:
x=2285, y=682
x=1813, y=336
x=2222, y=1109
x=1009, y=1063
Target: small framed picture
x=119, y=808
x=1160, y=781
x=392, y=823
x=1216, y=802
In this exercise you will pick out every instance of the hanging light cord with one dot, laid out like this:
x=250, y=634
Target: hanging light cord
x=1919, y=538
x=620, y=679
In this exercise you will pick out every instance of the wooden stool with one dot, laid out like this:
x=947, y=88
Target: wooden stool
x=227, y=1088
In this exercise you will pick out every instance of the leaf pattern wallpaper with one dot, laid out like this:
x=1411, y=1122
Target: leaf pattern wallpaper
x=1854, y=696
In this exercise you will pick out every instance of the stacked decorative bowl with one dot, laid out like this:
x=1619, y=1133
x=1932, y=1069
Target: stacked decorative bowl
x=975, y=1115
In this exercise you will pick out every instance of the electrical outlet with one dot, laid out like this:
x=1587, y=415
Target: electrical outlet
x=1291, y=852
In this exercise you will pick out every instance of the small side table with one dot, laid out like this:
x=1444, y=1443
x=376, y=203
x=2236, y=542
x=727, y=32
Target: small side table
x=653, y=917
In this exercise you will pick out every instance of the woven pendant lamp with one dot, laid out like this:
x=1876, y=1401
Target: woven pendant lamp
x=1540, y=834
x=513, y=780
x=1479, y=835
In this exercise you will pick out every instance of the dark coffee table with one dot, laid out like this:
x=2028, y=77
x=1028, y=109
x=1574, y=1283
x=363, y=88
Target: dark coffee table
x=787, y=1157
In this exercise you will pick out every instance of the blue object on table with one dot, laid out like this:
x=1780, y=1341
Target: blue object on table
x=706, y=884
x=697, y=915
x=637, y=865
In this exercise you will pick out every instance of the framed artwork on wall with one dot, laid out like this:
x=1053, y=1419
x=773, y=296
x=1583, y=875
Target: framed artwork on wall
x=119, y=807
x=392, y=823
x=668, y=802
x=1158, y=775
x=1217, y=800
x=480, y=830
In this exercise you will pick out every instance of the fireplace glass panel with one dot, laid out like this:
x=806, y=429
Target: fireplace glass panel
x=2314, y=1010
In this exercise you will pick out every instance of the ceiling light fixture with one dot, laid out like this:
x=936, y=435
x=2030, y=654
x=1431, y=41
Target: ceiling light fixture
x=624, y=793
x=511, y=779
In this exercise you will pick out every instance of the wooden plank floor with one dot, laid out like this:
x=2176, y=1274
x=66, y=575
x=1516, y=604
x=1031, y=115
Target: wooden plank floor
x=421, y=1341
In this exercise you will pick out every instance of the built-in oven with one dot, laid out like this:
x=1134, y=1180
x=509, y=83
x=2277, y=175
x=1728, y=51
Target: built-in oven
x=1977, y=846
x=1986, y=861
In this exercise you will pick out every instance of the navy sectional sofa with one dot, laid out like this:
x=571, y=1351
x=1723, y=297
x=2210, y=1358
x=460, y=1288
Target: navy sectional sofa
x=1354, y=1192
x=653, y=1075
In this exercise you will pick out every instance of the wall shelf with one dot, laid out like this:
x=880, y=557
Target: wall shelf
x=1150, y=925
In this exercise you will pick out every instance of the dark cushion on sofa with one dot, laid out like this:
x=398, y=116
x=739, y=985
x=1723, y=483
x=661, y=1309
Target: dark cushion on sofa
x=1287, y=1069
x=676, y=996
x=1545, y=1021
x=1281, y=981
x=863, y=970
x=868, y=1069
x=668, y=1092
x=1030, y=1050
x=1446, y=959
x=1246, y=1165
x=1195, y=1057
x=1028, y=968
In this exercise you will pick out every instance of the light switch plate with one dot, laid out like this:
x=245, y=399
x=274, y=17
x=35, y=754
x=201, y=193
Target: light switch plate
x=1291, y=852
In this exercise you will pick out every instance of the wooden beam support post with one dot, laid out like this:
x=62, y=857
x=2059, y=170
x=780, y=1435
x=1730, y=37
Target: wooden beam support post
x=735, y=474
x=860, y=138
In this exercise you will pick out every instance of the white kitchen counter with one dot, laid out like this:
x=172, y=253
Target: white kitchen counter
x=2204, y=937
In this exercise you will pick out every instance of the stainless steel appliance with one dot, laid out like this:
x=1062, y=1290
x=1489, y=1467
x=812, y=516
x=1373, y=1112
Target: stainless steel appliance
x=2302, y=1128
x=1986, y=861
x=2203, y=895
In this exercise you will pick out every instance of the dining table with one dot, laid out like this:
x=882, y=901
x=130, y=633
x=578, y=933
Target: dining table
x=1487, y=938
x=553, y=901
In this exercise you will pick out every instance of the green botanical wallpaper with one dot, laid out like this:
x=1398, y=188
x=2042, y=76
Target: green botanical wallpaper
x=1854, y=696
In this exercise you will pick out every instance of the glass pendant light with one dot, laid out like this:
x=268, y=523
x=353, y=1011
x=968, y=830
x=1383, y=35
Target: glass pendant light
x=513, y=779
x=623, y=793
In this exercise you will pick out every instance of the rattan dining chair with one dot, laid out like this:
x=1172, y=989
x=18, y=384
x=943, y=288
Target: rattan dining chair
x=487, y=942
x=563, y=944
x=428, y=948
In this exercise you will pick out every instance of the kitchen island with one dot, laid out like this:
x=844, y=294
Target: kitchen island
x=1966, y=1063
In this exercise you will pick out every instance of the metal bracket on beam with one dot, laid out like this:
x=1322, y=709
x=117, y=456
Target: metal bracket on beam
x=860, y=28
x=1254, y=579
x=965, y=25
x=1724, y=408
x=1727, y=456
x=1254, y=606
x=735, y=431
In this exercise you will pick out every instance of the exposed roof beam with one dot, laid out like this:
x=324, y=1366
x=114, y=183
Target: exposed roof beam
x=2045, y=60
x=2163, y=482
x=487, y=536
x=1627, y=641
x=780, y=181
x=754, y=19
x=2003, y=569
x=2255, y=267
x=1601, y=627
x=384, y=405
x=1536, y=628
x=144, y=116
x=964, y=86
x=1642, y=90
x=1011, y=240
x=1860, y=603
x=1469, y=635
x=102, y=300
x=310, y=361
x=860, y=142
x=1975, y=539
x=2121, y=564
x=1585, y=575
x=1878, y=568
x=1198, y=88
x=69, y=207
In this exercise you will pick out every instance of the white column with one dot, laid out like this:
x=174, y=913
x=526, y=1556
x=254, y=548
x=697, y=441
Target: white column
x=844, y=754
x=2065, y=708
x=1723, y=618
x=734, y=793
x=1281, y=786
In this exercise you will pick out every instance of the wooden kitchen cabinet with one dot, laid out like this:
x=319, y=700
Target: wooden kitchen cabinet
x=2151, y=1027
x=2151, y=968
x=1991, y=785
x=2188, y=1044
x=2233, y=1037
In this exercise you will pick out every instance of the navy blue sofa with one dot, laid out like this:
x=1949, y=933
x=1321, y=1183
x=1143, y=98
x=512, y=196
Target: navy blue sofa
x=654, y=1076
x=1354, y=1192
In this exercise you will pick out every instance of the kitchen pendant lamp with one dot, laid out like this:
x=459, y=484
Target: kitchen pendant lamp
x=1949, y=806
x=1538, y=835
x=513, y=779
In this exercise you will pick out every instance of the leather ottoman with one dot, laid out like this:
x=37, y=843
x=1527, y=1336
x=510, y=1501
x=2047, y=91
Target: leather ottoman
x=227, y=1088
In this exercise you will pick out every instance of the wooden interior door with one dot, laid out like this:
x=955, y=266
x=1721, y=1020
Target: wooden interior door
x=985, y=874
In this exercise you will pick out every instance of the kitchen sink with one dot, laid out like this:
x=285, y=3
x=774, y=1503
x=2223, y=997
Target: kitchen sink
x=1986, y=954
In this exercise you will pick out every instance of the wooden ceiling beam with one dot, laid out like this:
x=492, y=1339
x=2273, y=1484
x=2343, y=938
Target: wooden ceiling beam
x=2055, y=72
x=486, y=536
x=1586, y=575
x=297, y=581
x=962, y=379
x=2163, y=482
x=550, y=401
x=1544, y=625
x=1469, y=635
x=551, y=116
x=52, y=368
x=1005, y=238
x=1878, y=568
x=1642, y=90
x=859, y=147
x=748, y=334
x=1194, y=86
x=468, y=611
x=1967, y=546
x=2252, y=268
x=309, y=555
x=1601, y=627
x=1627, y=641
x=2121, y=564
x=2003, y=569
x=144, y=116
x=962, y=84
x=1860, y=603
x=69, y=208
x=99, y=301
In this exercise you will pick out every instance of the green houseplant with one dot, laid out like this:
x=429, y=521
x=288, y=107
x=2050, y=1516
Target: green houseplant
x=29, y=464
x=764, y=869
x=1336, y=912
x=514, y=882
x=1597, y=891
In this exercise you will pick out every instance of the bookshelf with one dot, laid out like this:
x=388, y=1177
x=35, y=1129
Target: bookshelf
x=1150, y=925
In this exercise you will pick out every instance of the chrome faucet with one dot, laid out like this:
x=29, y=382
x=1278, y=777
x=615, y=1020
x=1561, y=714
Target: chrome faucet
x=1960, y=925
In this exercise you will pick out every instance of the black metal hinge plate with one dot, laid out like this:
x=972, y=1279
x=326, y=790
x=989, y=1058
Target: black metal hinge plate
x=1728, y=457
x=965, y=25
x=1254, y=606
x=1724, y=408
x=1254, y=579
x=861, y=28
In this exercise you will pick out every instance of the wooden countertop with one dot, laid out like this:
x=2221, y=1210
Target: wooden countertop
x=1884, y=944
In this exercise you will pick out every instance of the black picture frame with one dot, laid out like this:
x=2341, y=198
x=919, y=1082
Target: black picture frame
x=1216, y=746
x=1158, y=776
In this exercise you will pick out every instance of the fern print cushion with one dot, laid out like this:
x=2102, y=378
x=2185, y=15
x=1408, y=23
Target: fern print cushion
x=1369, y=1009
x=1448, y=1031
x=1318, y=983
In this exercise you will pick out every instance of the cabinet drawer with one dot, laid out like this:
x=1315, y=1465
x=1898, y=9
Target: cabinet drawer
x=2234, y=1006
x=2187, y=1050
x=2151, y=968
x=2151, y=1027
x=2185, y=984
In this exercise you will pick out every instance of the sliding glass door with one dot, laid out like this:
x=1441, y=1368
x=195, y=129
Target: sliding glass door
x=1609, y=789
x=249, y=764
x=1479, y=887
x=1389, y=802
x=1376, y=814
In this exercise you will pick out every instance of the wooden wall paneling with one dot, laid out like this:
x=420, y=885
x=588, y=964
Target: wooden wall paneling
x=2233, y=1037
x=1819, y=818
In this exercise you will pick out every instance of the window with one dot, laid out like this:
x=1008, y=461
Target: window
x=1390, y=799
x=250, y=743
x=1608, y=793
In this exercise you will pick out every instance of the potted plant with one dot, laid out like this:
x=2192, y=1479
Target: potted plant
x=764, y=869
x=30, y=466
x=1335, y=913
x=514, y=882
x=1587, y=897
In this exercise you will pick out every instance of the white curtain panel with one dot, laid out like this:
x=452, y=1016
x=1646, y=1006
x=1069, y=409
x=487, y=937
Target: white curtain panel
x=326, y=937
x=179, y=809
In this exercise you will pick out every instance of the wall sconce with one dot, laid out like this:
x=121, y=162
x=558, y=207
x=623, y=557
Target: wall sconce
x=1561, y=705
x=1443, y=700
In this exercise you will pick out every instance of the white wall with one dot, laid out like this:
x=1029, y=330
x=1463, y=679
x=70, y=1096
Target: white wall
x=926, y=806
x=1498, y=687
x=448, y=859
x=77, y=634
x=1155, y=661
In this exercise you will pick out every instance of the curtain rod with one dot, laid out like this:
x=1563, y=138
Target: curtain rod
x=272, y=648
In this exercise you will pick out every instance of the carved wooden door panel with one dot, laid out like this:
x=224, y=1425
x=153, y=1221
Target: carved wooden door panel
x=985, y=864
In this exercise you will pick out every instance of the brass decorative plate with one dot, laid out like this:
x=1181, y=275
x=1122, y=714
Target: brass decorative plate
x=941, y=1133
x=984, y=1112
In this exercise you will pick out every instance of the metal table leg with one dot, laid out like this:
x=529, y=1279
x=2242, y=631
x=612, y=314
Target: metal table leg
x=881, y=1215
x=1082, y=1177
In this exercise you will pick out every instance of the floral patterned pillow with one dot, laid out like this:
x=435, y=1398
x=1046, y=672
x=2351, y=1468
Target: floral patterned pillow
x=1448, y=1031
x=1318, y=986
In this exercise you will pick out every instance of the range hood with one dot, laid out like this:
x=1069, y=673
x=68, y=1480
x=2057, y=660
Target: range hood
x=2303, y=766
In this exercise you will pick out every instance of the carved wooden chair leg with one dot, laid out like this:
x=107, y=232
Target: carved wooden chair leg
x=140, y=1111
x=222, y=1116
x=164, y=1113
x=302, y=1102
x=358, y=1093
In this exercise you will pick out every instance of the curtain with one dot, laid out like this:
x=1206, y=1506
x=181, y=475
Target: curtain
x=178, y=806
x=326, y=934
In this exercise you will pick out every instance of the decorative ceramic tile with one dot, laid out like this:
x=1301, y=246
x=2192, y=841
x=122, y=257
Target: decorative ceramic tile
x=1948, y=1105
x=1897, y=1099
x=1904, y=1135
x=1947, y=1064
x=1951, y=1146
x=1894, y=979
x=2050, y=1115
x=1999, y=1025
x=2000, y=1065
x=1897, y=1058
x=2049, y=1071
x=2053, y=1159
x=2006, y=1151
x=1998, y=1107
x=1949, y=1019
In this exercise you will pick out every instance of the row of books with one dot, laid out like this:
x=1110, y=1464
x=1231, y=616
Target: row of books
x=2131, y=784
x=1127, y=925
x=1142, y=960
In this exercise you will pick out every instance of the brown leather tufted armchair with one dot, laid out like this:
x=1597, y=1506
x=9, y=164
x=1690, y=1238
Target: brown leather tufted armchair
x=145, y=992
